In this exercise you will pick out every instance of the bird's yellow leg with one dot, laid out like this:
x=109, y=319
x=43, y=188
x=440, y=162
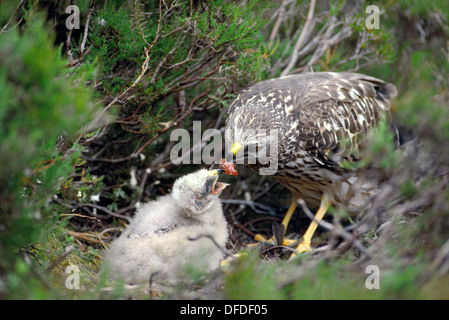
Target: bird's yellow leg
x=285, y=222
x=307, y=238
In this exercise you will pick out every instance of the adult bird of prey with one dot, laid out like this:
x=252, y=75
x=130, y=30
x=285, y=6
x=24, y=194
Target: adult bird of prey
x=308, y=125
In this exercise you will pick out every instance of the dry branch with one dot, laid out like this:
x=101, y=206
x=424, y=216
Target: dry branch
x=300, y=42
x=4, y=29
x=86, y=28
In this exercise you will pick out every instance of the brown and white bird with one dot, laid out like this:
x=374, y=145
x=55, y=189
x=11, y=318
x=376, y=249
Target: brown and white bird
x=172, y=233
x=319, y=119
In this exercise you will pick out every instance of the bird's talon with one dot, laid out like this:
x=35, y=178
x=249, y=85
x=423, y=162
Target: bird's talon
x=225, y=265
x=288, y=242
x=301, y=248
x=260, y=238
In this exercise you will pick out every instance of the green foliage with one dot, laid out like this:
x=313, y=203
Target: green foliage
x=119, y=37
x=408, y=189
x=331, y=280
x=225, y=23
x=418, y=8
x=383, y=147
x=115, y=42
x=155, y=55
x=252, y=280
x=335, y=278
x=40, y=101
x=358, y=46
x=427, y=116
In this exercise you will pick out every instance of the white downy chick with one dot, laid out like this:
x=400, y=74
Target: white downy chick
x=157, y=239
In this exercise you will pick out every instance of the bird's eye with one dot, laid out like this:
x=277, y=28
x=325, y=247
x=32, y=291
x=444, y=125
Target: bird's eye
x=246, y=150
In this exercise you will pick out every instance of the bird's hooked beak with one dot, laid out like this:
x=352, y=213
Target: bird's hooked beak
x=236, y=148
x=217, y=186
x=232, y=154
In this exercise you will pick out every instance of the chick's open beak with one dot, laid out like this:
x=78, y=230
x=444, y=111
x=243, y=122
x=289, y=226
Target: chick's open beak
x=218, y=186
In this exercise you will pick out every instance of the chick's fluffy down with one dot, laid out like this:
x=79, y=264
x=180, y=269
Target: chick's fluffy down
x=156, y=242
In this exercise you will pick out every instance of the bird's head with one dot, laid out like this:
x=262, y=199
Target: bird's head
x=248, y=131
x=197, y=192
x=251, y=146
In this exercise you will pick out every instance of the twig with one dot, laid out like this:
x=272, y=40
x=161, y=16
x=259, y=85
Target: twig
x=144, y=68
x=147, y=59
x=86, y=28
x=279, y=247
x=146, y=144
x=61, y=257
x=79, y=215
x=13, y=15
x=277, y=24
x=106, y=210
x=86, y=236
x=142, y=185
x=301, y=39
x=211, y=238
x=252, y=205
x=167, y=56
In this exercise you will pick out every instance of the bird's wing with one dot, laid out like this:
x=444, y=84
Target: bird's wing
x=329, y=112
x=337, y=113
